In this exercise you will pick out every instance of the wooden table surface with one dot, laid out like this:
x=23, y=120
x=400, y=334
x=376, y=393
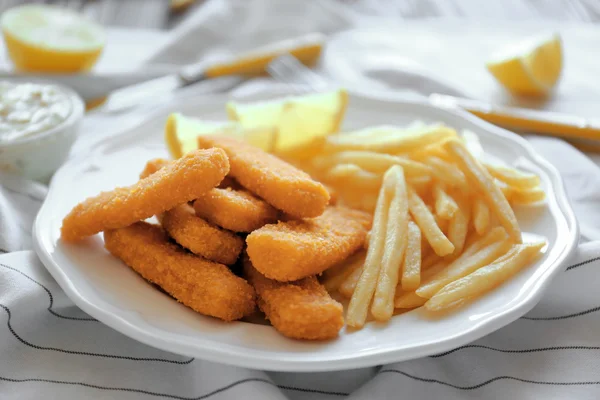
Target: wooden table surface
x=156, y=14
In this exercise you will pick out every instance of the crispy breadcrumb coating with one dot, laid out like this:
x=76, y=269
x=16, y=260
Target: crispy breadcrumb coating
x=181, y=181
x=229, y=206
x=301, y=309
x=154, y=165
x=201, y=237
x=291, y=250
x=236, y=210
x=280, y=184
x=333, y=195
x=205, y=286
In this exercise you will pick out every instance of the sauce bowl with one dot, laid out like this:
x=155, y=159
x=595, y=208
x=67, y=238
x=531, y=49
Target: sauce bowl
x=39, y=155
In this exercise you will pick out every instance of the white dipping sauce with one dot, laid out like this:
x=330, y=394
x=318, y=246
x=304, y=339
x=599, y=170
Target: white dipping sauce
x=27, y=109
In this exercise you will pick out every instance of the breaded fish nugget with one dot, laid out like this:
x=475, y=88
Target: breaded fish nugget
x=333, y=195
x=205, y=286
x=291, y=250
x=201, y=237
x=180, y=181
x=301, y=310
x=280, y=184
x=228, y=207
x=154, y=165
x=236, y=210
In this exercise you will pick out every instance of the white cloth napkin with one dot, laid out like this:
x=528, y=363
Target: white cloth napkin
x=49, y=348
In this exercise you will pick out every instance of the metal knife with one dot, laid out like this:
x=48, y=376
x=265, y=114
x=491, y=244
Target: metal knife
x=305, y=48
x=582, y=132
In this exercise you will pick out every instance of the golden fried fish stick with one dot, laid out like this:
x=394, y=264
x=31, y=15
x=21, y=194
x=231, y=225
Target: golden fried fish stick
x=194, y=233
x=236, y=210
x=301, y=310
x=333, y=195
x=295, y=249
x=201, y=237
x=280, y=184
x=229, y=182
x=154, y=165
x=180, y=181
x=205, y=286
x=228, y=207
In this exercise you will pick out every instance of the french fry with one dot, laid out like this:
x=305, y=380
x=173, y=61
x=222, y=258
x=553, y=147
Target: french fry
x=396, y=239
x=459, y=224
x=426, y=249
x=385, y=130
x=360, y=200
x=353, y=175
x=442, y=223
x=473, y=236
x=527, y=196
x=483, y=280
x=506, y=190
x=434, y=269
x=448, y=173
x=469, y=261
x=433, y=149
x=485, y=186
x=520, y=195
x=429, y=261
x=495, y=234
x=391, y=142
x=348, y=286
x=445, y=206
x=334, y=276
x=365, y=287
x=375, y=162
x=421, y=184
x=481, y=216
x=513, y=177
x=426, y=222
x=411, y=268
x=408, y=300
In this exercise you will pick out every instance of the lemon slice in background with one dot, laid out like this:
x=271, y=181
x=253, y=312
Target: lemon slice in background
x=300, y=120
x=181, y=133
x=45, y=38
x=531, y=67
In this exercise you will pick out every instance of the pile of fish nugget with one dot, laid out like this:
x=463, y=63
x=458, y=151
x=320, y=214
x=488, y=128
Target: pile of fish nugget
x=238, y=229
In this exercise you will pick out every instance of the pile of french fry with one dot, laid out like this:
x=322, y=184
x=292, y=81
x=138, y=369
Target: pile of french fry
x=444, y=231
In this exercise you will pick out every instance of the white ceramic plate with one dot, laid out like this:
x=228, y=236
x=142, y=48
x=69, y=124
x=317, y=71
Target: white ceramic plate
x=103, y=287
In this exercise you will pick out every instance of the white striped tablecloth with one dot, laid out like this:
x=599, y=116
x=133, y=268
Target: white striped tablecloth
x=50, y=349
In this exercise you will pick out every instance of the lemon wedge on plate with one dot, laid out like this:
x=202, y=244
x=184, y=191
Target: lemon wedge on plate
x=299, y=120
x=181, y=133
x=45, y=38
x=531, y=67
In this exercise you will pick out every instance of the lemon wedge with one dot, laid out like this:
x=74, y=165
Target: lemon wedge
x=300, y=120
x=181, y=133
x=51, y=39
x=530, y=68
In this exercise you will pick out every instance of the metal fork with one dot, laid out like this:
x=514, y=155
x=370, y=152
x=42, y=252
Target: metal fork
x=288, y=70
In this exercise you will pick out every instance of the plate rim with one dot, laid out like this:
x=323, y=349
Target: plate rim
x=274, y=363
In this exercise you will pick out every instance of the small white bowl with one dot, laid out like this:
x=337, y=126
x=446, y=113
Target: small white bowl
x=38, y=156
